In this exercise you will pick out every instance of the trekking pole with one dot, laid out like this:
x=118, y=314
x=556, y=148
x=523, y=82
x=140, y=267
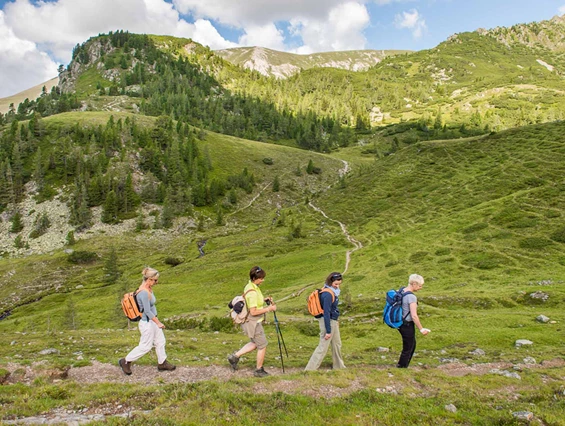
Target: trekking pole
x=278, y=328
x=279, y=337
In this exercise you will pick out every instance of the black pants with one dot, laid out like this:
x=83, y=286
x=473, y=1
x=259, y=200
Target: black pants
x=407, y=331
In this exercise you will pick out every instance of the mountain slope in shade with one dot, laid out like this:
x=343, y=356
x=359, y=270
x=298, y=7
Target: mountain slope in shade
x=282, y=64
x=31, y=93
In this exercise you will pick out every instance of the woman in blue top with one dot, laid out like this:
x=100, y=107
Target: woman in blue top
x=150, y=327
x=329, y=325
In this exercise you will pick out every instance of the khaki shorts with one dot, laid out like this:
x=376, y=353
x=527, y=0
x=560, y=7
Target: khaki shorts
x=254, y=330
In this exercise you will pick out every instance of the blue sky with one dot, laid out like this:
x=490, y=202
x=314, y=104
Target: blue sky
x=38, y=35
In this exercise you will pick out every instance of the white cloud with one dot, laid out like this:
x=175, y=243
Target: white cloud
x=56, y=27
x=411, y=20
x=342, y=29
x=59, y=26
x=562, y=10
x=256, y=12
x=263, y=35
x=23, y=65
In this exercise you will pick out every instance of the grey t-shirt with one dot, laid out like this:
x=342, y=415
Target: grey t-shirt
x=146, y=305
x=406, y=300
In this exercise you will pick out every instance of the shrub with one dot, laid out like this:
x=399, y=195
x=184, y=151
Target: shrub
x=534, y=243
x=40, y=226
x=82, y=256
x=220, y=324
x=475, y=227
x=308, y=328
x=559, y=235
x=173, y=261
x=268, y=161
x=442, y=251
x=418, y=256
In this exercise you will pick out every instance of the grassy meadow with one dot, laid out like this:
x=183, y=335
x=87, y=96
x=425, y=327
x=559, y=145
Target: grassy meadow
x=480, y=218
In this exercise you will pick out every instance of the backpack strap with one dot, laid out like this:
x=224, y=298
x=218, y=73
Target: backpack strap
x=327, y=290
x=405, y=294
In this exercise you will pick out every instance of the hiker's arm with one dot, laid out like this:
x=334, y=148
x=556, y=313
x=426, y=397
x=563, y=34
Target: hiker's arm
x=415, y=318
x=159, y=323
x=256, y=311
x=326, y=300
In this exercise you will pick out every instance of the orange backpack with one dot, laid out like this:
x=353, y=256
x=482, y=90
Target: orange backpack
x=131, y=307
x=314, y=305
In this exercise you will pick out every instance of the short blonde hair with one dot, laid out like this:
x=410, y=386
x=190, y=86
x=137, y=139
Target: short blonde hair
x=149, y=273
x=416, y=279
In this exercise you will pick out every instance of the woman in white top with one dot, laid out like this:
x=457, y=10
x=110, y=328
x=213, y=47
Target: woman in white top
x=150, y=327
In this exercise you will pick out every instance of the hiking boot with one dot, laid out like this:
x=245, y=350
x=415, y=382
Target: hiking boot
x=233, y=360
x=260, y=372
x=166, y=366
x=126, y=366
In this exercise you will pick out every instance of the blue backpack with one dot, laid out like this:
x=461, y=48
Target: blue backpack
x=392, y=314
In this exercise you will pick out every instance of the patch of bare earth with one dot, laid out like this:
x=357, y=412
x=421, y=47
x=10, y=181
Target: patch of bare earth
x=459, y=369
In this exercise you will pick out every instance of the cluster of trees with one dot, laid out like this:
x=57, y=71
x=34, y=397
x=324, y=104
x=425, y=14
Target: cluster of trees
x=48, y=103
x=117, y=166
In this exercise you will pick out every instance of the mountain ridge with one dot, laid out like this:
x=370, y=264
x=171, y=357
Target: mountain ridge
x=279, y=64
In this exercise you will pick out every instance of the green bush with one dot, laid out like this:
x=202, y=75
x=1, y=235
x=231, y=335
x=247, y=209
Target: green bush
x=559, y=235
x=418, y=256
x=475, y=228
x=173, y=261
x=268, y=161
x=442, y=251
x=221, y=324
x=534, y=243
x=82, y=257
x=309, y=329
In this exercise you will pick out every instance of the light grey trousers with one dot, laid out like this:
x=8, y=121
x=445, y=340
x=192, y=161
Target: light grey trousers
x=320, y=352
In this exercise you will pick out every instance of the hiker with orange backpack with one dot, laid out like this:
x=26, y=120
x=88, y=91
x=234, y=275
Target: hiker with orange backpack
x=150, y=327
x=252, y=325
x=329, y=325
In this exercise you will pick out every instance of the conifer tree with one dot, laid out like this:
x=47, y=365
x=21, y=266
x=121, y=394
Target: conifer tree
x=80, y=213
x=276, y=184
x=111, y=270
x=110, y=208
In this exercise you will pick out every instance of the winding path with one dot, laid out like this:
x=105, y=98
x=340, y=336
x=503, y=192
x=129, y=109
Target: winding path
x=356, y=243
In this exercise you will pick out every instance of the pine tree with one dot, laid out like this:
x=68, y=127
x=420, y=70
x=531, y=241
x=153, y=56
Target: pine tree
x=17, y=224
x=310, y=167
x=276, y=184
x=70, y=315
x=110, y=209
x=111, y=271
x=80, y=213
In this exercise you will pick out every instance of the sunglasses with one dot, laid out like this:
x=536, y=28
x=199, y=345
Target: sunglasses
x=336, y=277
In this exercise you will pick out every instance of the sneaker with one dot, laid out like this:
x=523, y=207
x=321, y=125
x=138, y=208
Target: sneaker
x=125, y=366
x=233, y=360
x=260, y=372
x=166, y=366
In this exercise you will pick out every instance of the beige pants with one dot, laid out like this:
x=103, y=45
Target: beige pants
x=320, y=352
x=151, y=335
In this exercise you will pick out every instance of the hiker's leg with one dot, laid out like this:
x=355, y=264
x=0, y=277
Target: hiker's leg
x=320, y=352
x=159, y=343
x=261, y=341
x=246, y=349
x=261, y=357
x=145, y=342
x=408, y=344
x=336, y=346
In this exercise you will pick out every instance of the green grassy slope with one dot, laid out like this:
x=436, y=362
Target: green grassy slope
x=480, y=219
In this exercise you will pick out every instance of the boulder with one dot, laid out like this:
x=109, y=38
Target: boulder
x=523, y=415
x=477, y=352
x=451, y=408
x=523, y=342
x=542, y=318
